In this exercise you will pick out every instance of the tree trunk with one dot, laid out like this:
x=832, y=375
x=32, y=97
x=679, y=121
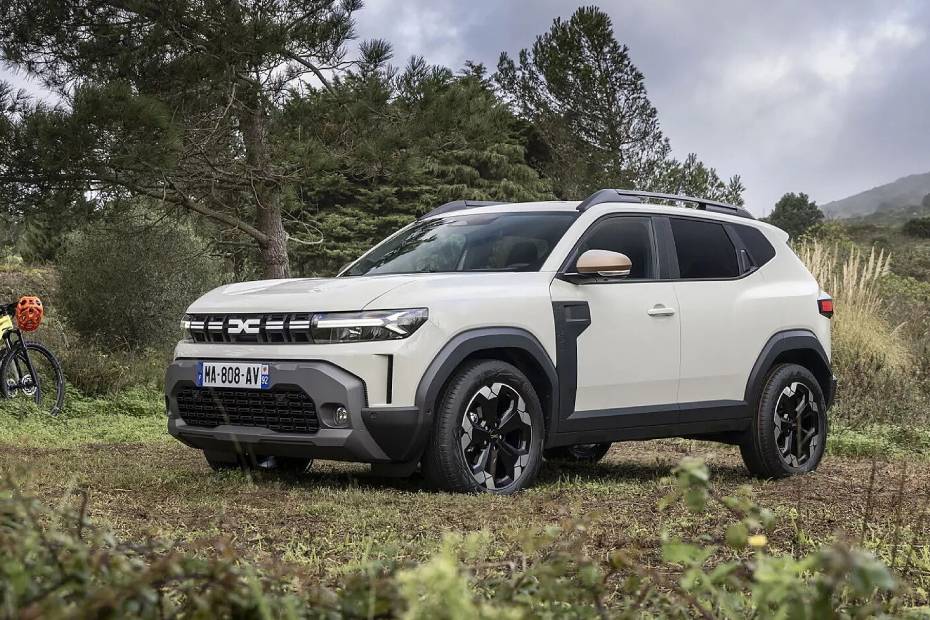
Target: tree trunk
x=274, y=250
x=266, y=192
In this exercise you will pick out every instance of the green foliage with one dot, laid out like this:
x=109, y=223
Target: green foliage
x=171, y=100
x=591, y=124
x=692, y=177
x=58, y=563
x=917, y=227
x=581, y=91
x=45, y=227
x=384, y=147
x=836, y=580
x=796, y=214
x=127, y=284
x=98, y=368
x=902, y=439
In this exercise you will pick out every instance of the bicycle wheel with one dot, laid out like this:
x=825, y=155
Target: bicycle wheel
x=32, y=372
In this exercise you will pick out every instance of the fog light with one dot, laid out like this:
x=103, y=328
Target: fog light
x=341, y=416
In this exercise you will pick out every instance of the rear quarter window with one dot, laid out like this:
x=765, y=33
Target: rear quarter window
x=757, y=244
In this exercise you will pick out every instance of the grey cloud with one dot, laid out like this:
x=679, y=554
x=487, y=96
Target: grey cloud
x=828, y=97
x=824, y=97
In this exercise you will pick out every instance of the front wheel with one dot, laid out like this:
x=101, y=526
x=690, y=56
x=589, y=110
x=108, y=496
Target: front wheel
x=788, y=434
x=488, y=432
x=31, y=372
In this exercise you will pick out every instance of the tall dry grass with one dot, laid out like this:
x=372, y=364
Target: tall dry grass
x=871, y=356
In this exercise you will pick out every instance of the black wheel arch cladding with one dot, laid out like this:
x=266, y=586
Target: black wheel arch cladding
x=472, y=343
x=795, y=346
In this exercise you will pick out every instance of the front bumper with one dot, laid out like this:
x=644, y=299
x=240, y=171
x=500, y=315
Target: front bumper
x=376, y=435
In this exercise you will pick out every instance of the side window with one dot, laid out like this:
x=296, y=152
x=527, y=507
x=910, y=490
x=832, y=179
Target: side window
x=759, y=248
x=628, y=235
x=704, y=250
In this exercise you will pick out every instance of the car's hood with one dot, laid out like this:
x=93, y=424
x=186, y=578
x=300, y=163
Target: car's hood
x=297, y=295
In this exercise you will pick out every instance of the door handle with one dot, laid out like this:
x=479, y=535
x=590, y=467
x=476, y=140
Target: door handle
x=660, y=310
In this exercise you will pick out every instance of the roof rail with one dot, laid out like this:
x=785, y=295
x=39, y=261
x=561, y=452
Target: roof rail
x=460, y=205
x=629, y=195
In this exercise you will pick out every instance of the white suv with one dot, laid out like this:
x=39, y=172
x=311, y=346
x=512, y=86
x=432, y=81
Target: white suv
x=483, y=337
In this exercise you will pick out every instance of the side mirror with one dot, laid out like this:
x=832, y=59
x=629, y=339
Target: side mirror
x=604, y=263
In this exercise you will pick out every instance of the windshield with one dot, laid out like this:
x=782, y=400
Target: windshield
x=477, y=242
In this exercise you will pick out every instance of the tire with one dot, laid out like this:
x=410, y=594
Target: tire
x=482, y=440
x=15, y=382
x=772, y=448
x=582, y=453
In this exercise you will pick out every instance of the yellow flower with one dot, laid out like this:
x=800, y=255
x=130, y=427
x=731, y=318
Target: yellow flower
x=757, y=540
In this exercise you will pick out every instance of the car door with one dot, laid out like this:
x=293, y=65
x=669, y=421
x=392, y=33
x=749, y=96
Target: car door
x=720, y=325
x=623, y=334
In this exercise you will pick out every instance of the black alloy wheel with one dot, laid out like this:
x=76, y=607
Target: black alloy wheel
x=788, y=433
x=496, y=433
x=488, y=431
x=797, y=425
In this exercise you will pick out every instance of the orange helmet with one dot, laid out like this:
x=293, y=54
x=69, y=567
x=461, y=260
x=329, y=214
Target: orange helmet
x=29, y=313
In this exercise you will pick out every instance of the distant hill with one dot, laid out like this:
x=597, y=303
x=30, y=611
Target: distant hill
x=897, y=197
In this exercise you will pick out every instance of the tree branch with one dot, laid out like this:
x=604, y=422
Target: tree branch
x=316, y=71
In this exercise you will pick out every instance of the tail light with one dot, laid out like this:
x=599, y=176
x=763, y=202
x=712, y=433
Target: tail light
x=825, y=305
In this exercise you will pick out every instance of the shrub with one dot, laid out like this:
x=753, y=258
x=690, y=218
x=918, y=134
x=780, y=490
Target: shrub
x=871, y=357
x=17, y=279
x=918, y=227
x=127, y=284
x=56, y=563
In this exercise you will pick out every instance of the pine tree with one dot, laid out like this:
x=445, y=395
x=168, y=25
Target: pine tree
x=172, y=100
x=579, y=87
x=692, y=177
x=589, y=121
x=391, y=145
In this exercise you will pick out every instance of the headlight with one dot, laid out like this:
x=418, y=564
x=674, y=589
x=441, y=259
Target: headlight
x=331, y=327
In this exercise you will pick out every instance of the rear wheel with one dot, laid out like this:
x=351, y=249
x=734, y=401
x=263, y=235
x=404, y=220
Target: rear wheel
x=583, y=453
x=33, y=373
x=789, y=431
x=488, y=431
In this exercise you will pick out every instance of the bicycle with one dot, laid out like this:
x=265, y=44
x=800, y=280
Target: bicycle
x=28, y=369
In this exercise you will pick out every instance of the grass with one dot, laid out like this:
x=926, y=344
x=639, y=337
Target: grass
x=133, y=416
x=339, y=517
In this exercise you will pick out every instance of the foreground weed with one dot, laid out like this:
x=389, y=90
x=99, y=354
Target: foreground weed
x=58, y=563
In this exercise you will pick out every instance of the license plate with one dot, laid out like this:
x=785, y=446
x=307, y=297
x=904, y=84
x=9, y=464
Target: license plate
x=233, y=374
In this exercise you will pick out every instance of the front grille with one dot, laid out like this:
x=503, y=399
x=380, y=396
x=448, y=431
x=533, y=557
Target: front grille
x=284, y=410
x=291, y=327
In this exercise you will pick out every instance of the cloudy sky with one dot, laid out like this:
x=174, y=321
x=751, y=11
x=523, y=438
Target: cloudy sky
x=829, y=97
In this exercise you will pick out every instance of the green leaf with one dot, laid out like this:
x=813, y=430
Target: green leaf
x=678, y=552
x=737, y=534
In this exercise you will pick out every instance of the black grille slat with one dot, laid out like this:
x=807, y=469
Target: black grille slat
x=279, y=328
x=282, y=410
